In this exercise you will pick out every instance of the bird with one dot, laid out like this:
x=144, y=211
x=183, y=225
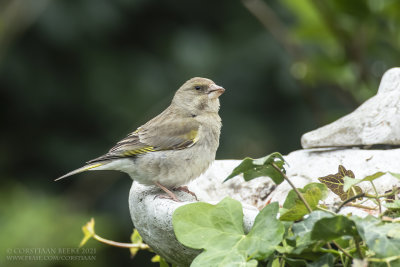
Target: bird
x=174, y=147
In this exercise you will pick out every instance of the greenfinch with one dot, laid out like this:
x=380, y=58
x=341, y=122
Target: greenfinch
x=174, y=147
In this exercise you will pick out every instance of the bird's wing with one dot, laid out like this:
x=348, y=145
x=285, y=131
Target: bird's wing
x=167, y=135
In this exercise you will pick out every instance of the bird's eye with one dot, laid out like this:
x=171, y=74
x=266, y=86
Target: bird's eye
x=197, y=87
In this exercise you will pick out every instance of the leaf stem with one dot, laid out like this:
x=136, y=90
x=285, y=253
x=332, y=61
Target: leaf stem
x=388, y=219
x=377, y=198
x=361, y=206
x=387, y=260
x=119, y=244
x=331, y=250
x=326, y=210
x=357, y=242
x=349, y=200
x=292, y=185
x=341, y=249
x=282, y=262
x=346, y=261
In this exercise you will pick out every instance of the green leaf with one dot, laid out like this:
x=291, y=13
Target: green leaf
x=295, y=208
x=88, y=232
x=334, y=227
x=395, y=205
x=160, y=260
x=253, y=168
x=394, y=232
x=275, y=263
x=218, y=229
x=266, y=233
x=295, y=262
x=396, y=175
x=136, y=239
x=373, y=176
x=349, y=182
x=302, y=230
x=382, y=238
x=325, y=261
x=392, y=213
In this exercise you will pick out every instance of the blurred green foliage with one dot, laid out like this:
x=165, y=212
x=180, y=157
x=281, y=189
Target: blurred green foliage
x=347, y=44
x=35, y=219
x=76, y=76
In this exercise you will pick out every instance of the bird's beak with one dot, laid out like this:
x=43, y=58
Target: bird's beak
x=215, y=91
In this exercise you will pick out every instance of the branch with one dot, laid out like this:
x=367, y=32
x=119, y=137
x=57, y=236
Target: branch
x=349, y=200
x=119, y=244
x=294, y=188
x=342, y=249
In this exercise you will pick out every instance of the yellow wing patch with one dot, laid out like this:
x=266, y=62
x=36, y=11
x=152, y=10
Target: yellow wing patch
x=191, y=138
x=192, y=135
x=142, y=150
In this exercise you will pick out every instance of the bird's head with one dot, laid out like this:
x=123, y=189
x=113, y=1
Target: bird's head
x=198, y=95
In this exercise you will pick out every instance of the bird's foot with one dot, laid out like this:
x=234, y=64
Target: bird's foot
x=186, y=190
x=170, y=195
x=174, y=198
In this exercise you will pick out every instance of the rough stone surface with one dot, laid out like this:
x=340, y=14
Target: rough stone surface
x=306, y=166
x=152, y=215
x=376, y=121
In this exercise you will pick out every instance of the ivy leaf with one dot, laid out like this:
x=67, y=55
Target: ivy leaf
x=253, y=168
x=275, y=263
x=335, y=182
x=295, y=208
x=325, y=261
x=137, y=240
x=88, y=232
x=302, y=230
x=349, y=182
x=372, y=177
x=295, y=262
x=393, y=208
x=396, y=175
x=353, y=191
x=160, y=260
x=333, y=227
x=394, y=232
x=394, y=205
x=218, y=229
x=382, y=238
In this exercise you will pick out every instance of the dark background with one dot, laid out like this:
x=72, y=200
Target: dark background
x=77, y=76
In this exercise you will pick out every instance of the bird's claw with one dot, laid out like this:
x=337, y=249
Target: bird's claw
x=186, y=190
x=174, y=198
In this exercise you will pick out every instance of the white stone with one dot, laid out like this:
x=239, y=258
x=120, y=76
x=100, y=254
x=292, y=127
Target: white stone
x=152, y=215
x=306, y=166
x=376, y=121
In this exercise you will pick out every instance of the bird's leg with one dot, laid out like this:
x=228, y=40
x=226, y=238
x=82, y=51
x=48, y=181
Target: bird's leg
x=186, y=189
x=166, y=190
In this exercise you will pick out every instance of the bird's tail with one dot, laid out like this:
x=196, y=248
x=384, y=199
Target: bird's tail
x=82, y=169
